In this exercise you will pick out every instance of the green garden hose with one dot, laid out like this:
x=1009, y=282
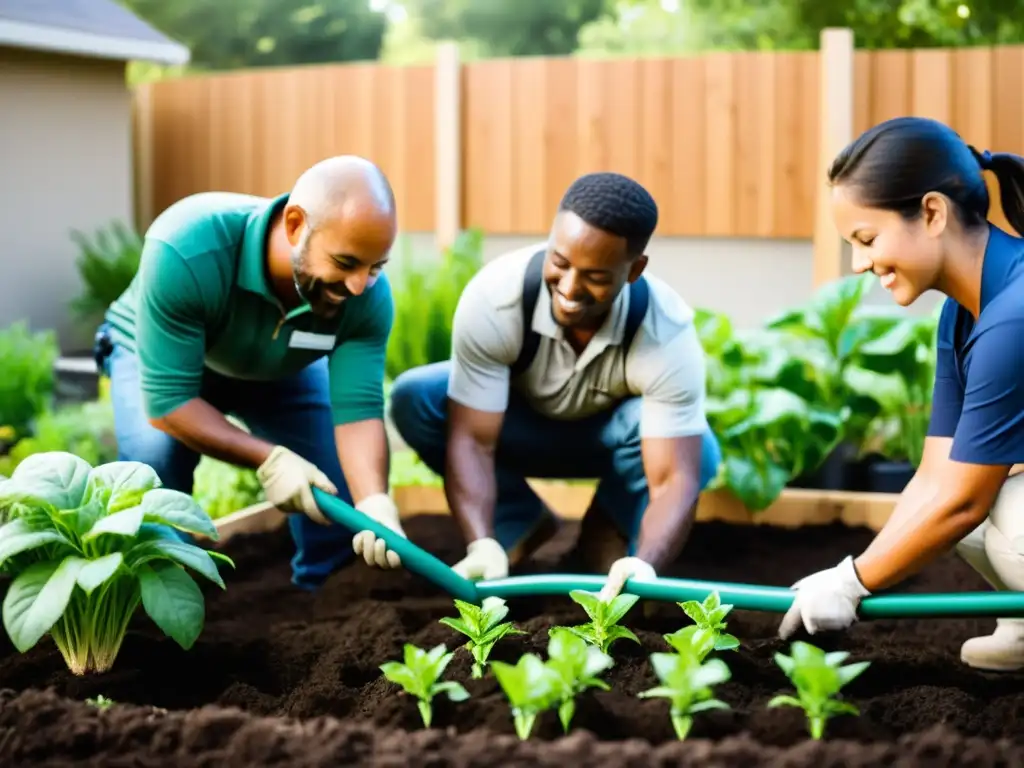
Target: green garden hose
x=748, y=597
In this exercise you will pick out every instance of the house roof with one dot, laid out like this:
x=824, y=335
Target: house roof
x=98, y=28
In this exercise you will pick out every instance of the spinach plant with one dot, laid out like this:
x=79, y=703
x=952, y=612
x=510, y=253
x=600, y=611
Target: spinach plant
x=818, y=677
x=686, y=681
x=706, y=634
x=531, y=686
x=420, y=677
x=86, y=545
x=577, y=665
x=603, y=629
x=483, y=625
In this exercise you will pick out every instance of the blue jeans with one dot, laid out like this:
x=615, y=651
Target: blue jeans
x=294, y=412
x=605, y=446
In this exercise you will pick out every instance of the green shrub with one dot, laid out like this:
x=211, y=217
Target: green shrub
x=27, y=381
x=426, y=292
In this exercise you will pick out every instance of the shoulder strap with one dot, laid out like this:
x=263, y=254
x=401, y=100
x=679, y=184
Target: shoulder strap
x=639, y=298
x=531, y=288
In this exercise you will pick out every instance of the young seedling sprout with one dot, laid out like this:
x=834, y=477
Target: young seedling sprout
x=706, y=634
x=420, y=677
x=577, y=664
x=483, y=626
x=603, y=629
x=818, y=677
x=686, y=682
x=531, y=687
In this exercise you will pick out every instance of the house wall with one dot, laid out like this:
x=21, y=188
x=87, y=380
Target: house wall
x=66, y=160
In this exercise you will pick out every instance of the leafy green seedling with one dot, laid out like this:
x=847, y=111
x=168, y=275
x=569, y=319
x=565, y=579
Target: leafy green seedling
x=420, y=677
x=483, y=626
x=603, y=629
x=101, y=702
x=686, y=682
x=86, y=545
x=709, y=616
x=577, y=664
x=531, y=687
x=818, y=677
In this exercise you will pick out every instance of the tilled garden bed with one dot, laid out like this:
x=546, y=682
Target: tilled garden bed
x=282, y=677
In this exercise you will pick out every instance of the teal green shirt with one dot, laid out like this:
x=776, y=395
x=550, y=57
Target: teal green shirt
x=201, y=300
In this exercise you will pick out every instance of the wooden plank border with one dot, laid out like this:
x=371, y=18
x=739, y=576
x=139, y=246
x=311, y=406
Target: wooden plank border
x=796, y=507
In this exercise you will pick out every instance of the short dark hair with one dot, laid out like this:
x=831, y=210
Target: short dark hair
x=616, y=204
x=894, y=164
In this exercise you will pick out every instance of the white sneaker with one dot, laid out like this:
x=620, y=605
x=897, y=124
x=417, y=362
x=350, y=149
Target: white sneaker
x=1002, y=651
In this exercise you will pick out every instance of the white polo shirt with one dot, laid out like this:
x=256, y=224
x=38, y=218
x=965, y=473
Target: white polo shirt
x=665, y=366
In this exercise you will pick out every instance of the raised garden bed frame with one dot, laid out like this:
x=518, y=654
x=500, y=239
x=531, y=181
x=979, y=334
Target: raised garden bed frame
x=796, y=507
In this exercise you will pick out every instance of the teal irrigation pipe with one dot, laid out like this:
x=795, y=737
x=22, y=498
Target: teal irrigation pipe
x=749, y=597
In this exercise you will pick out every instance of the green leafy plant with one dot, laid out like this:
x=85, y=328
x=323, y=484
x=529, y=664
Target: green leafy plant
x=603, y=629
x=687, y=682
x=427, y=288
x=101, y=702
x=86, y=545
x=818, y=677
x=531, y=686
x=107, y=263
x=221, y=488
x=27, y=384
x=897, y=370
x=707, y=633
x=483, y=625
x=577, y=665
x=420, y=677
x=84, y=429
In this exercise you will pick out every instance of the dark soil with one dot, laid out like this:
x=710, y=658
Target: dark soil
x=283, y=677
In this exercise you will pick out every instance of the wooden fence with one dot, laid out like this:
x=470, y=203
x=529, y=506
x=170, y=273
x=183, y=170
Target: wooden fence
x=730, y=144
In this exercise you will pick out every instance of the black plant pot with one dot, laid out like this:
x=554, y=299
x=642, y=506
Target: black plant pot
x=837, y=473
x=889, y=476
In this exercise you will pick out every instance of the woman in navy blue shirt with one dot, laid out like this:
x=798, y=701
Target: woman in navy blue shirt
x=910, y=197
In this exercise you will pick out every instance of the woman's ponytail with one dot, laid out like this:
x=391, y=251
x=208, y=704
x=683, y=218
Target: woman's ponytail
x=1009, y=171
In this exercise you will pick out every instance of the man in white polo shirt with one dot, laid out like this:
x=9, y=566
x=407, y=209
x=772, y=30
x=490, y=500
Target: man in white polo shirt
x=607, y=382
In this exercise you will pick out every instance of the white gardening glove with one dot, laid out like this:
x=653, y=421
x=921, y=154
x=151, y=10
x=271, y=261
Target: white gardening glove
x=374, y=551
x=825, y=600
x=286, y=478
x=623, y=569
x=485, y=559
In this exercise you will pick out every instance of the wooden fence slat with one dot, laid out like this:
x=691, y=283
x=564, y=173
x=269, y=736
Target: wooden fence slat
x=727, y=142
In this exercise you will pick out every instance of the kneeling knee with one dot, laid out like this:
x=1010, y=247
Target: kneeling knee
x=416, y=403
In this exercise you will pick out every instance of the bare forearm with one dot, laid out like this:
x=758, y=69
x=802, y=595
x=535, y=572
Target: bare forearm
x=204, y=429
x=667, y=522
x=915, y=541
x=365, y=460
x=470, y=486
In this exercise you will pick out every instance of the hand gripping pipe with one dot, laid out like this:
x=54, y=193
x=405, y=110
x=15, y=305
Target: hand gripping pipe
x=748, y=597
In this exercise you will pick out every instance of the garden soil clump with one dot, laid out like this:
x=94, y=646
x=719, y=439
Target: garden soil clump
x=284, y=677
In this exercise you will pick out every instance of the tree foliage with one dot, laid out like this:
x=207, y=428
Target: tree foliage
x=231, y=34
x=509, y=27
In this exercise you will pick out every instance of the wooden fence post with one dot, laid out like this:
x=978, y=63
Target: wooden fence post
x=447, y=145
x=142, y=154
x=835, y=131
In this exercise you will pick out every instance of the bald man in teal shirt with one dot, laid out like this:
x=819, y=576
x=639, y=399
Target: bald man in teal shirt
x=275, y=310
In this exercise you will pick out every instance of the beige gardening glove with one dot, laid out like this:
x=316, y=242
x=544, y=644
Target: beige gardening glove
x=286, y=478
x=621, y=571
x=374, y=551
x=485, y=559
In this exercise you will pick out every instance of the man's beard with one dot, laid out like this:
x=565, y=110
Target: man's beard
x=309, y=287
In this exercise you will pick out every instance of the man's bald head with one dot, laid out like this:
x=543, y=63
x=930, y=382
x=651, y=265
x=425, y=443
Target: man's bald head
x=341, y=222
x=342, y=186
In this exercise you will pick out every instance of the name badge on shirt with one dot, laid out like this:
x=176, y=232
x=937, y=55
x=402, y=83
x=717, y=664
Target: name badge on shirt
x=306, y=340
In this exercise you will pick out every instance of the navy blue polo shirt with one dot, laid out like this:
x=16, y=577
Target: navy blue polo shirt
x=978, y=398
